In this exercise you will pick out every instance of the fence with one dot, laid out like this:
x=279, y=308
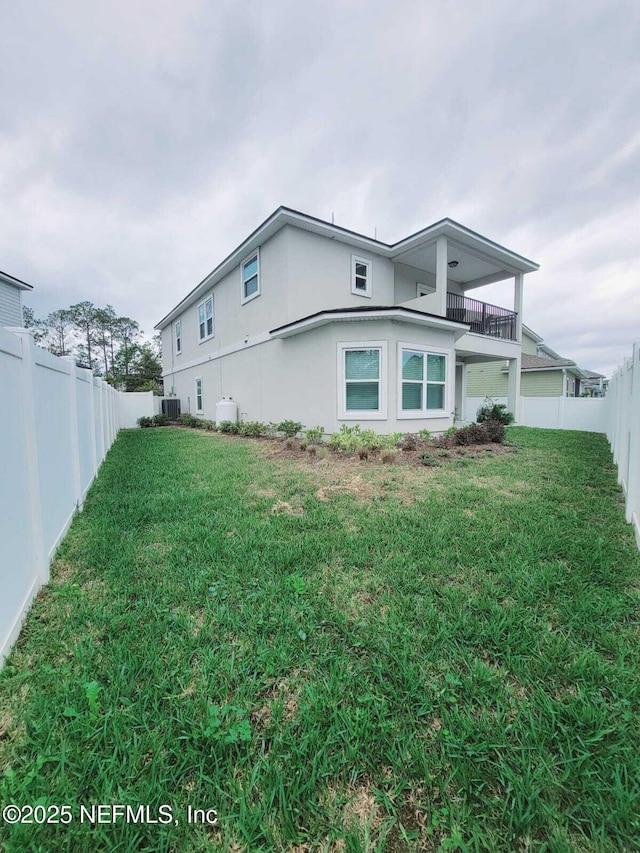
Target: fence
x=583, y=413
x=623, y=432
x=57, y=423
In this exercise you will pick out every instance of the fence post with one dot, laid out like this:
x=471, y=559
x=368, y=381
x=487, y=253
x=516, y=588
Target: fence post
x=75, y=441
x=39, y=556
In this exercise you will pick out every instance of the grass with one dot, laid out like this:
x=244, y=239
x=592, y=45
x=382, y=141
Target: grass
x=335, y=656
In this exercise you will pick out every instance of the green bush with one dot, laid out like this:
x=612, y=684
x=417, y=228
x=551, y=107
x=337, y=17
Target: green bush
x=229, y=427
x=350, y=438
x=491, y=411
x=160, y=420
x=252, y=429
x=429, y=460
x=480, y=433
x=314, y=434
x=424, y=434
x=186, y=420
x=290, y=429
x=209, y=425
x=494, y=431
x=145, y=422
x=451, y=431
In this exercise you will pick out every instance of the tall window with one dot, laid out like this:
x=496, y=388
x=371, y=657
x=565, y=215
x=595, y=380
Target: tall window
x=205, y=319
x=178, y=333
x=423, y=380
x=362, y=391
x=250, y=278
x=360, y=276
x=199, y=399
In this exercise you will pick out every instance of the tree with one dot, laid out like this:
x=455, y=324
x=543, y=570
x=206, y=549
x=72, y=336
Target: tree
x=83, y=318
x=105, y=334
x=37, y=327
x=59, y=329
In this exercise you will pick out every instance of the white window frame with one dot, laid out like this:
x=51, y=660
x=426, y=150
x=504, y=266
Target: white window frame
x=177, y=336
x=357, y=259
x=380, y=414
x=199, y=411
x=206, y=337
x=244, y=299
x=419, y=414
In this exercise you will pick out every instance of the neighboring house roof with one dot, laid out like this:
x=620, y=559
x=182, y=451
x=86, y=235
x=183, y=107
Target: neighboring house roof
x=537, y=362
x=9, y=279
x=369, y=312
x=415, y=248
x=590, y=374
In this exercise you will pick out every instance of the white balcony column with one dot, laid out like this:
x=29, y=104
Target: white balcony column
x=518, y=295
x=441, y=277
x=513, y=388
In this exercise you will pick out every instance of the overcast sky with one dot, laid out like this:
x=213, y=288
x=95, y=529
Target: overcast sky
x=141, y=141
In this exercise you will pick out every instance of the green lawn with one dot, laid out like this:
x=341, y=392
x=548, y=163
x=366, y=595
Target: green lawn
x=335, y=656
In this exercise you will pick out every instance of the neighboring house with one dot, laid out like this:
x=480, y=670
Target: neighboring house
x=595, y=384
x=544, y=374
x=312, y=322
x=11, y=299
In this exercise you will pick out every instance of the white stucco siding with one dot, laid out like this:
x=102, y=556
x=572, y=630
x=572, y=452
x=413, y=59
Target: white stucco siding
x=319, y=275
x=406, y=279
x=10, y=305
x=297, y=377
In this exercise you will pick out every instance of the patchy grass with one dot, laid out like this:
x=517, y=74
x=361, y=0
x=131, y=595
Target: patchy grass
x=335, y=656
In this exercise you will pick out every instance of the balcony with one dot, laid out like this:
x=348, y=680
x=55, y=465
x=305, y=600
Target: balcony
x=484, y=319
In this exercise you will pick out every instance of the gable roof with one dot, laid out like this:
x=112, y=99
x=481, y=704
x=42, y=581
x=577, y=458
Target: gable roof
x=538, y=362
x=15, y=282
x=510, y=262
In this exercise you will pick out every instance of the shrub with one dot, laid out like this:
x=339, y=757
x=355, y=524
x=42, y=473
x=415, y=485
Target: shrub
x=186, y=420
x=312, y=449
x=408, y=442
x=314, y=434
x=480, y=433
x=424, y=435
x=492, y=411
x=289, y=428
x=494, y=431
x=452, y=430
x=303, y=445
x=291, y=444
x=229, y=427
x=363, y=453
x=209, y=425
x=160, y=420
x=145, y=422
x=445, y=454
x=252, y=429
x=429, y=460
x=388, y=456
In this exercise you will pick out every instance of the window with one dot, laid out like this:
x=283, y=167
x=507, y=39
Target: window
x=250, y=270
x=360, y=276
x=199, y=400
x=178, y=334
x=362, y=371
x=205, y=319
x=423, y=382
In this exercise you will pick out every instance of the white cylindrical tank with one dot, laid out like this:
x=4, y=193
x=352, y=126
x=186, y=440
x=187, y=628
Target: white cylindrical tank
x=226, y=410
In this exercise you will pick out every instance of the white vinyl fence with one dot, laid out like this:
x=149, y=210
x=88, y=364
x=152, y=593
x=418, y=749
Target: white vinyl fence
x=623, y=432
x=57, y=423
x=588, y=414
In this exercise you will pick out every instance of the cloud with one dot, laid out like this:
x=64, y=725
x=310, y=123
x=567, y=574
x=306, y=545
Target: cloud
x=141, y=142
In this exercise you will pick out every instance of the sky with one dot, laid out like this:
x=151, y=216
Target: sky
x=142, y=141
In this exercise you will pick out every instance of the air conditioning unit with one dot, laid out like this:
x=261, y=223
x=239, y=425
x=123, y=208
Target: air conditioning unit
x=171, y=408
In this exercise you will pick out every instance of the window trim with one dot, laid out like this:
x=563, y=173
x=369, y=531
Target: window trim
x=421, y=414
x=424, y=289
x=380, y=414
x=213, y=320
x=199, y=411
x=255, y=254
x=358, y=259
x=177, y=336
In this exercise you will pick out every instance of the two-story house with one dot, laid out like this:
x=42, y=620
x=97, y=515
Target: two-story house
x=309, y=321
x=11, y=290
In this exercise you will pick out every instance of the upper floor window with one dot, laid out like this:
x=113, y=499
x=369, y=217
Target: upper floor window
x=178, y=334
x=205, y=319
x=423, y=378
x=360, y=276
x=250, y=270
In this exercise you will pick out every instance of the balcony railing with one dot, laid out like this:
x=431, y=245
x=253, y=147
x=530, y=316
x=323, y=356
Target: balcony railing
x=483, y=318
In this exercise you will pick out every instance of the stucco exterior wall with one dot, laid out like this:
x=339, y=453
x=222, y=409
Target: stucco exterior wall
x=297, y=377
x=10, y=305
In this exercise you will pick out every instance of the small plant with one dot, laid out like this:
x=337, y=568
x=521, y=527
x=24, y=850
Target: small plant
x=198, y=423
x=186, y=420
x=388, y=456
x=91, y=690
x=408, y=442
x=291, y=444
x=494, y=431
x=160, y=420
x=363, y=453
x=145, y=423
x=229, y=427
x=429, y=460
x=303, y=445
x=314, y=434
x=209, y=425
x=445, y=454
x=227, y=725
x=290, y=429
x=311, y=449
x=424, y=435
x=492, y=411
x=252, y=429
x=452, y=430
